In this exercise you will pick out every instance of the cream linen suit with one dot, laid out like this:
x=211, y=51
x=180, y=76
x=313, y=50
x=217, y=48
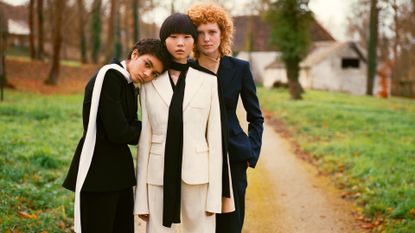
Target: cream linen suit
x=202, y=152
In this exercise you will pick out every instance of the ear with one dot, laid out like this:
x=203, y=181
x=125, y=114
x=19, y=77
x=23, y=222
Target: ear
x=134, y=54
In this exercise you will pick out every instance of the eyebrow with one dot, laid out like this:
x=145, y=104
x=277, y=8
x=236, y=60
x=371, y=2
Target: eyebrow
x=149, y=61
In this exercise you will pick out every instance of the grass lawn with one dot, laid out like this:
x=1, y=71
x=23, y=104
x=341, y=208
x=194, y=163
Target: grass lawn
x=38, y=135
x=366, y=144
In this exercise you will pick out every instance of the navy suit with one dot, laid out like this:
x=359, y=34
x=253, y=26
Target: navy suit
x=236, y=80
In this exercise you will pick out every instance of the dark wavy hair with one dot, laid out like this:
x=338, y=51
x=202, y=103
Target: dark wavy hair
x=177, y=23
x=152, y=47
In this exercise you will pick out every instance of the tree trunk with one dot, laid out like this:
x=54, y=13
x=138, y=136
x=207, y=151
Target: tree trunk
x=96, y=30
x=32, y=50
x=117, y=41
x=372, y=45
x=396, y=69
x=82, y=39
x=293, y=71
x=172, y=10
x=136, y=21
x=110, y=33
x=40, y=50
x=3, y=44
x=57, y=41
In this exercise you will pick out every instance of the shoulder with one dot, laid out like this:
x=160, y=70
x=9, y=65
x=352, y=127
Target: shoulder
x=202, y=73
x=113, y=76
x=236, y=61
x=200, y=68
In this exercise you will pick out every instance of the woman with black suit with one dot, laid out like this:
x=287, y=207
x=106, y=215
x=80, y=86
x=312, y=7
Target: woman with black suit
x=213, y=52
x=102, y=170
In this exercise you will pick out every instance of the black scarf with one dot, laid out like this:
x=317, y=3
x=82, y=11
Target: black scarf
x=174, y=151
x=224, y=123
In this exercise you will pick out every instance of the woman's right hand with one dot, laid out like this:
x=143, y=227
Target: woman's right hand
x=144, y=217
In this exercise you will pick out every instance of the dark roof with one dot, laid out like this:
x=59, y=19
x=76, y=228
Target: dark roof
x=19, y=13
x=262, y=33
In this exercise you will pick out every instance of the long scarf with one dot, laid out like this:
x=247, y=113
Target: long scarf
x=226, y=192
x=90, y=138
x=174, y=151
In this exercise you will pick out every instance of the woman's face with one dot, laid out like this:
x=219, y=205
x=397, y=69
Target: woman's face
x=144, y=68
x=180, y=46
x=209, y=38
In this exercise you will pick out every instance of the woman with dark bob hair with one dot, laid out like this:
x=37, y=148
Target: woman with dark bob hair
x=179, y=177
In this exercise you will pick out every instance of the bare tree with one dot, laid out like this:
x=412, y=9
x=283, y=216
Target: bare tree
x=136, y=20
x=358, y=22
x=3, y=44
x=96, y=30
x=32, y=29
x=117, y=36
x=82, y=39
x=372, y=45
x=110, y=33
x=40, y=20
x=57, y=42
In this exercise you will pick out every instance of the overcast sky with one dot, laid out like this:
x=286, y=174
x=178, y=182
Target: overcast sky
x=331, y=14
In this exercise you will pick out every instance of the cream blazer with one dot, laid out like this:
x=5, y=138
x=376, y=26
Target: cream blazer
x=202, y=143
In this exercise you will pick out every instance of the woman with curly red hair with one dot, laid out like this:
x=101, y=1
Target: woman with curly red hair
x=213, y=52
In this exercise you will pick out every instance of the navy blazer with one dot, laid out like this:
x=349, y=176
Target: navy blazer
x=236, y=79
x=112, y=166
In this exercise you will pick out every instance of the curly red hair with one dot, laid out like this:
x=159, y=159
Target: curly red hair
x=203, y=13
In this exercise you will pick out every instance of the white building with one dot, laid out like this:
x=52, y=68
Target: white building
x=332, y=66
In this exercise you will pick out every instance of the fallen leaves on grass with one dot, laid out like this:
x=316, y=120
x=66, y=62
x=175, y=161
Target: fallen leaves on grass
x=29, y=76
x=24, y=214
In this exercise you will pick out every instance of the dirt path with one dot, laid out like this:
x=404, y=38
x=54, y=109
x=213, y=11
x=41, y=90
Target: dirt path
x=286, y=195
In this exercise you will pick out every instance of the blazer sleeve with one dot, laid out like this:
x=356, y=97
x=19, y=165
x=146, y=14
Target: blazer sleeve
x=143, y=152
x=254, y=115
x=116, y=125
x=214, y=138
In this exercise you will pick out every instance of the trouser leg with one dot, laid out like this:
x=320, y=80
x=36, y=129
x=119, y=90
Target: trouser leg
x=124, y=218
x=193, y=208
x=233, y=222
x=155, y=204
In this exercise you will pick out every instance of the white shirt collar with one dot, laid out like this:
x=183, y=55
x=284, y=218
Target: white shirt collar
x=124, y=65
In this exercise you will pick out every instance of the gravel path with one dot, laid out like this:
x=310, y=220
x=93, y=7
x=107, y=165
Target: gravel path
x=286, y=195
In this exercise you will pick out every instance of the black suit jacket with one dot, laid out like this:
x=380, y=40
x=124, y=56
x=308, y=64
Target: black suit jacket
x=112, y=166
x=236, y=79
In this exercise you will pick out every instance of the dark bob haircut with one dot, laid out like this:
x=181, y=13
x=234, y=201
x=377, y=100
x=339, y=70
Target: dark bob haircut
x=177, y=23
x=152, y=47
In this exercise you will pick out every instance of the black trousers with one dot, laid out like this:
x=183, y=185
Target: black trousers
x=107, y=212
x=232, y=222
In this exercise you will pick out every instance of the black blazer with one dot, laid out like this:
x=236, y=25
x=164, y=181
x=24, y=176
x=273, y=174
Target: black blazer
x=236, y=79
x=112, y=166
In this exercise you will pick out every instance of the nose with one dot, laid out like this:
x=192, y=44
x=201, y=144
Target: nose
x=147, y=72
x=180, y=41
x=206, y=37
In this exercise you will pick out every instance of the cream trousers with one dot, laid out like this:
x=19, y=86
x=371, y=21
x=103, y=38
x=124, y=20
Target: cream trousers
x=193, y=210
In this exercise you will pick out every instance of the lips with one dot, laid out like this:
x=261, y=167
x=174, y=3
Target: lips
x=180, y=51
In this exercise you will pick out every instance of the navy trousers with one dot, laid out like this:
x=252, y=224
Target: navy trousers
x=233, y=222
x=107, y=212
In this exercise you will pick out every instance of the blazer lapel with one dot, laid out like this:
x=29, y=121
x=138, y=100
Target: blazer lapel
x=193, y=83
x=163, y=87
x=225, y=72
